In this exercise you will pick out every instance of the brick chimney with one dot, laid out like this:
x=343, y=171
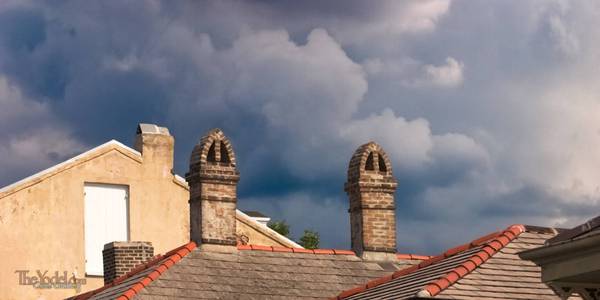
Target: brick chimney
x=213, y=179
x=371, y=188
x=121, y=257
x=157, y=146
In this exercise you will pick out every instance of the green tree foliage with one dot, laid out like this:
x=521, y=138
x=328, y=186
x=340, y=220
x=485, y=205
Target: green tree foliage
x=280, y=227
x=310, y=239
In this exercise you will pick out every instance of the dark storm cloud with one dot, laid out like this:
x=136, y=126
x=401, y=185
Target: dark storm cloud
x=486, y=110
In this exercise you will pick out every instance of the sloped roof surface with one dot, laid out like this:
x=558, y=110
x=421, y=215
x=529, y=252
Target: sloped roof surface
x=588, y=228
x=252, y=272
x=487, y=268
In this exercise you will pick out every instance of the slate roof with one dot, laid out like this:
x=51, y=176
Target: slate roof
x=252, y=272
x=487, y=268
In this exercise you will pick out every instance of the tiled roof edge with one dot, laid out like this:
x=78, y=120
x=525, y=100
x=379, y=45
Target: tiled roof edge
x=489, y=248
x=295, y=250
x=170, y=258
x=412, y=256
x=492, y=243
x=173, y=257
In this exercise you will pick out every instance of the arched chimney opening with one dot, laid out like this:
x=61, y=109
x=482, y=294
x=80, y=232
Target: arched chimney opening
x=224, y=153
x=211, y=156
x=382, y=167
x=369, y=164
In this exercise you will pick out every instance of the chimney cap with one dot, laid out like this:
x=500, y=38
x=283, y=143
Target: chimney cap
x=369, y=157
x=145, y=128
x=214, y=147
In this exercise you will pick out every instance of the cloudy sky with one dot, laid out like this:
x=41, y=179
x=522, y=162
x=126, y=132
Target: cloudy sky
x=489, y=110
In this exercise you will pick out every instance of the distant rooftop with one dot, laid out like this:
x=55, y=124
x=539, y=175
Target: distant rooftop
x=255, y=214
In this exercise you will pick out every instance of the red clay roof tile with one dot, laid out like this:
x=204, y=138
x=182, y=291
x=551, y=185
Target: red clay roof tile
x=282, y=249
x=492, y=243
x=324, y=251
x=262, y=248
x=343, y=252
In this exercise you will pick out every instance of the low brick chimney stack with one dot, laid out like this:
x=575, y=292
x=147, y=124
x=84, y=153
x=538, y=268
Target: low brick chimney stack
x=213, y=179
x=121, y=257
x=371, y=188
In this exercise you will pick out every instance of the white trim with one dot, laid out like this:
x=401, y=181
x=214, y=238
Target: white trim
x=180, y=179
x=69, y=161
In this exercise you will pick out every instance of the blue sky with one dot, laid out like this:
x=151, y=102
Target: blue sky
x=488, y=109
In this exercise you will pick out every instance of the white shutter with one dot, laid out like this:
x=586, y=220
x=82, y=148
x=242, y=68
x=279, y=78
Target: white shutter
x=106, y=220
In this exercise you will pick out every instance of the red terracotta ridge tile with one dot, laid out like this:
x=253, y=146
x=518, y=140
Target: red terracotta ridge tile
x=324, y=251
x=183, y=252
x=431, y=261
x=262, y=248
x=146, y=281
x=137, y=287
x=282, y=249
x=153, y=275
x=244, y=247
x=343, y=252
x=455, y=250
x=421, y=257
x=403, y=256
x=403, y=272
x=302, y=250
x=432, y=289
x=175, y=258
x=161, y=269
x=168, y=263
x=129, y=294
x=379, y=281
x=484, y=239
x=503, y=239
x=412, y=256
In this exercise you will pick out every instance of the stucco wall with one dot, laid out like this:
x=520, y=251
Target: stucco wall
x=42, y=225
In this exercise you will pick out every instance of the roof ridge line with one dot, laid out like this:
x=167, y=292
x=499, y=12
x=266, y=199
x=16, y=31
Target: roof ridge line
x=489, y=249
x=494, y=237
x=409, y=256
x=295, y=250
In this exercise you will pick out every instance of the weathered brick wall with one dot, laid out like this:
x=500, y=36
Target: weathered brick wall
x=213, y=178
x=120, y=257
x=370, y=188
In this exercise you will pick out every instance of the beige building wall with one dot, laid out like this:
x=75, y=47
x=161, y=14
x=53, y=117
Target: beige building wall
x=42, y=225
x=42, y=217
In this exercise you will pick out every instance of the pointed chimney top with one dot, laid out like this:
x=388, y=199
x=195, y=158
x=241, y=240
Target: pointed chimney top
x=370, y=187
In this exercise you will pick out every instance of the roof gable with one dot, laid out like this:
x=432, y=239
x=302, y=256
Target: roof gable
x=70, y=163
